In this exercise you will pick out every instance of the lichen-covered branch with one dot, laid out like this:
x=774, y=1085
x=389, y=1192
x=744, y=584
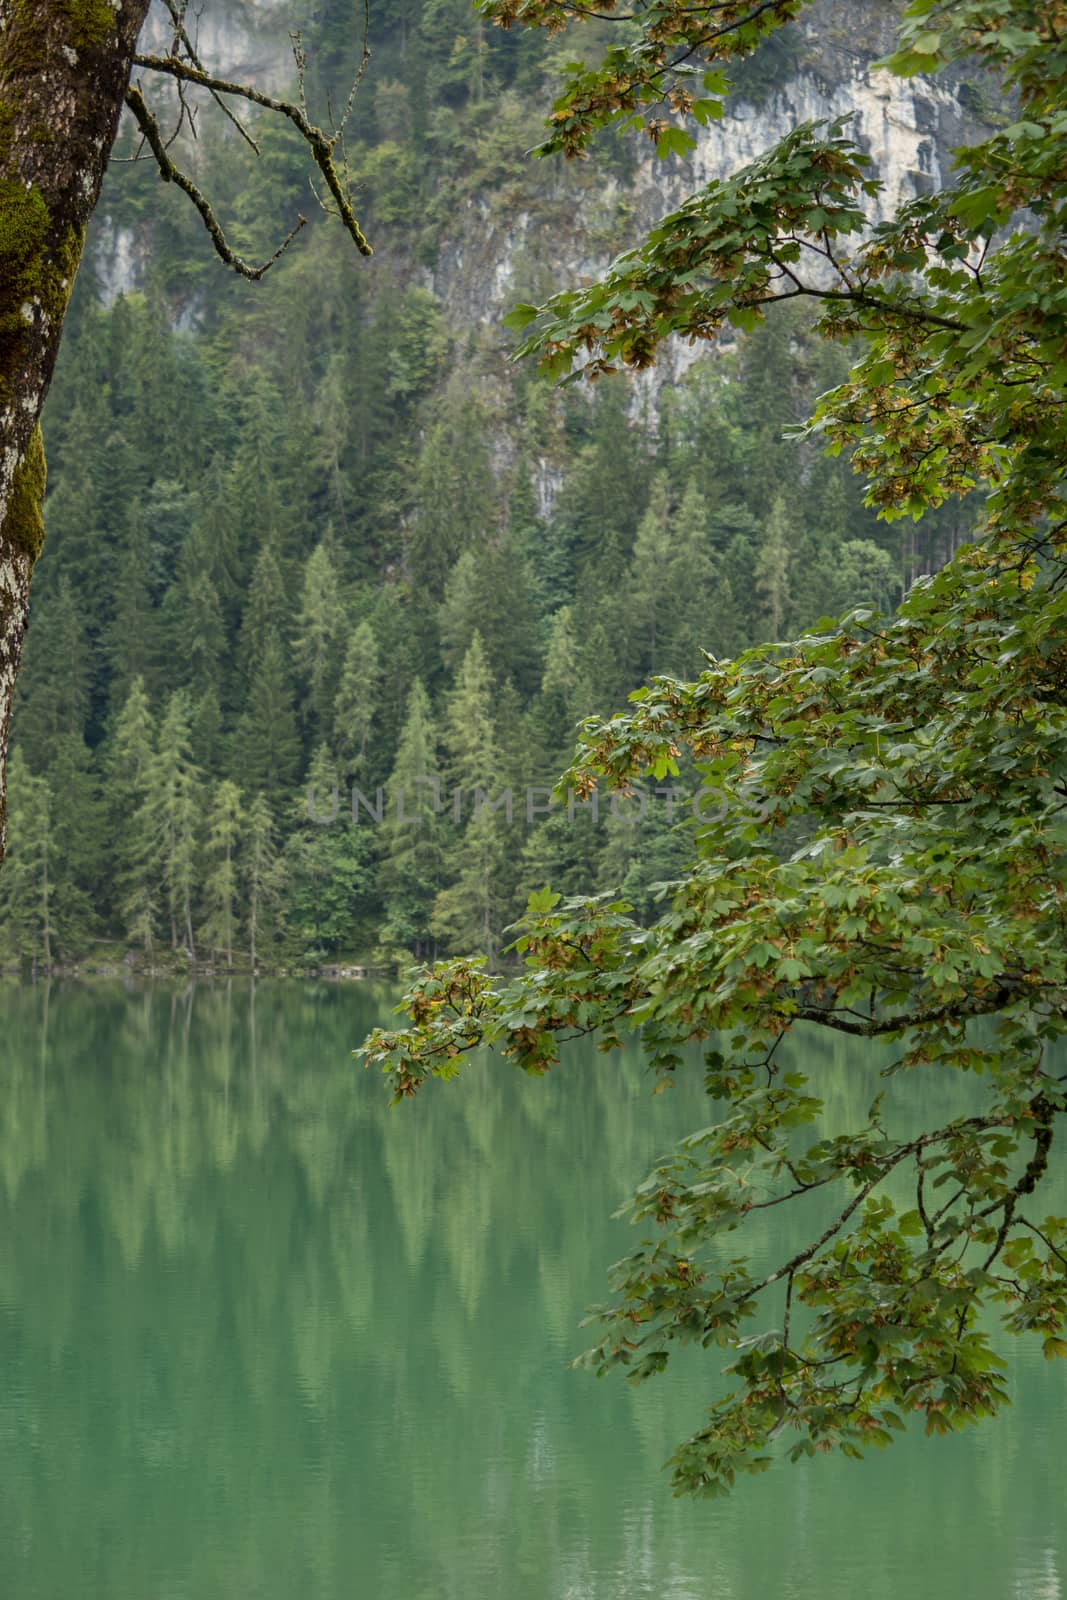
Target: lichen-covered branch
x=171, y=173
x=323, y=146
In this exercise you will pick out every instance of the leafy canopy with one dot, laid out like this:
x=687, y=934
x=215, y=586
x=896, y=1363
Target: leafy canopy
x=890, y=864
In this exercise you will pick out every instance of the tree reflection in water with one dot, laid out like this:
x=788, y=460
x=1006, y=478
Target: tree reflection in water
x=261, y=1335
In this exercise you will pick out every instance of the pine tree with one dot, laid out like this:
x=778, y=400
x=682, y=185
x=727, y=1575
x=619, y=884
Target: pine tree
x=131, y=754
x=225, y=824
x=131, y=644
x=319, y=628
x=27, y=881
x=355, y=705
x=469, y=912
x=266, y=613
x=650, y=586
x=702, y=613
x=171, y=812
x=193, y=622
x=772, y=571
x=327, y=864
x=413, y=866
x=55, y=686
x=262, y=872
x=268, y=741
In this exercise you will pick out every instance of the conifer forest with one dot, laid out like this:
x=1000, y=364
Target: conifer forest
x=316, y=534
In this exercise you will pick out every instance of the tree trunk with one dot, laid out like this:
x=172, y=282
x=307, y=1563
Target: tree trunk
x=64, y=65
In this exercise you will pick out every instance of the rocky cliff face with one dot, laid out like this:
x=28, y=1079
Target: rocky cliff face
x=564, y=223
x=580, y=219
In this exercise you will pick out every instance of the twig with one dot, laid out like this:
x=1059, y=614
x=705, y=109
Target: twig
x=322, y=148
x=181, y=38
x=171, y=174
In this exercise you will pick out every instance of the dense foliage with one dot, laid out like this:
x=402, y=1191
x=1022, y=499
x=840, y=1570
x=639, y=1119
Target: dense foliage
x=890, y=861
x=310, y=531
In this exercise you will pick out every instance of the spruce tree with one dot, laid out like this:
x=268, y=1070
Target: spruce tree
x=130, y=757
x=413, y=863
x=494, y=583
x=79, y=843
x=268, y=742
x=208, y=745
x=560, y=703
x=355, y=705
x=332, y=439
x=56, y=683
x=469, y=911
x=193, y=622
x=866, y=575
x=701, y=615
x=262, y=873
x=254, y=491
x=610, y=471
x=650, y=589
x=266, y=611
x=455, y=504
x=772, y=571
x=171, y=813
x=319, y=630
x=225, y=824
x=888, y=864
x=131, y=645
x=327, y=865
x=27, y=881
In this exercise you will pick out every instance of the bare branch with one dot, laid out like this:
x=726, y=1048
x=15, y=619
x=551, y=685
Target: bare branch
x=364, y=58
x=183, y=41
x=301, y=61
x=322, y=148
x=171, y=174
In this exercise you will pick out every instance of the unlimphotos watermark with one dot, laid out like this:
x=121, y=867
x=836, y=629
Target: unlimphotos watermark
x=524, y=802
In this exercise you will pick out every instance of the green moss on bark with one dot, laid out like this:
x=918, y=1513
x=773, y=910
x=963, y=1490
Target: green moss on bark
x=88, y=24
x=24, y=521
x=24, y=272
x=90, y=20
x=36, y=274
x=23, y=224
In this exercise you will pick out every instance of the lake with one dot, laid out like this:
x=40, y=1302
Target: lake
x=263, y=1336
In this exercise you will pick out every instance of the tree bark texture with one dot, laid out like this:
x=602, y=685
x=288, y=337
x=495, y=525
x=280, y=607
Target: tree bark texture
x=64, y=66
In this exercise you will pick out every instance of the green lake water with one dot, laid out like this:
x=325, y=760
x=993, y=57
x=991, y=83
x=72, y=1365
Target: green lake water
x=263, y=1338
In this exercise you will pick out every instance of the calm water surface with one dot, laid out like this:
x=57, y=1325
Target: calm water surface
x=261, y=1336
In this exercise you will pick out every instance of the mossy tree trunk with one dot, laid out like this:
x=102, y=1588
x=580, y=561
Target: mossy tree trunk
x=64, y=66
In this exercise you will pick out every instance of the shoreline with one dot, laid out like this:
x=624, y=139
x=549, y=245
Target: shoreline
x=343, y=972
